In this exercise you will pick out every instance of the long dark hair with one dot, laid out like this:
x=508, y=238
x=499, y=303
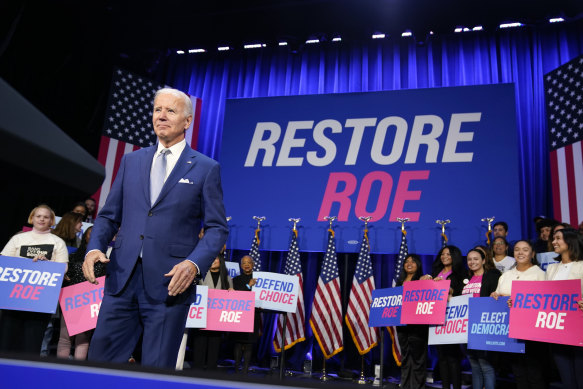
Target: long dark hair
x=223, y=271
x=533, y=260
x=574, y=241
x=418, y=273
x=66, y=227
x=457, y=262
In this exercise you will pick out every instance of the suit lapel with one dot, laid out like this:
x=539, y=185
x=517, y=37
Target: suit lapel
x=183, y=165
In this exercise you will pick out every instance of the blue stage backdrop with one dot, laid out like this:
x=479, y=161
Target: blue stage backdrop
x=424, y=154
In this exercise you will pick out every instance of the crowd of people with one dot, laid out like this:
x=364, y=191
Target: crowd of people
x=489, y=273
x=484, y=271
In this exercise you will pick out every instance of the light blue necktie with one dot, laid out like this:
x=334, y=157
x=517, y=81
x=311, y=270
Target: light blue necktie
x=158, y=175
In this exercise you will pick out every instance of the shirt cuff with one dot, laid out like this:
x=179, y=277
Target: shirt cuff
x=90, y=251
x=195, y=265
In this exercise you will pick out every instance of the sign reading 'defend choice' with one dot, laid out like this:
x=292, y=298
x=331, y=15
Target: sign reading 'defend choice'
x=383, y=154
x=424, y=302
x=278, y=292
x=198, y=309
x=385, y=309
x=455, y=328
x=489, y=324
x=547, y=311
x=230, y=310
x=80, y=305
x=30, y=286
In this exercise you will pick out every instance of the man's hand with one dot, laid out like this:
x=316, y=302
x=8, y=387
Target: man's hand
x=182, y=277
x=89, y=264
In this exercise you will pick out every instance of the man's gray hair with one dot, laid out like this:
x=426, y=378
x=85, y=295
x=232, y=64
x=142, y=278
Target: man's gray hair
x=179, y=94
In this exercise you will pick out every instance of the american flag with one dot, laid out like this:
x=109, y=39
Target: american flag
x=326, y=320
x=128, y=124
x=254, y=252
x=403, y=252
x=564, y=99
x=294, y=332
x=357, y=315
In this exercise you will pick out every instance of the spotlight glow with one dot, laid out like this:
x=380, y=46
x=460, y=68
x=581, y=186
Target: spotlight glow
x=311, y=41
x=255, y=46
x=224, y=48
x=337, y=39
x=378, y=36
x=283, y=43
x=511, y=25
x=191, y=51
x=556, y=20
x=478, y=28
x=179, y=51
x=407, y=33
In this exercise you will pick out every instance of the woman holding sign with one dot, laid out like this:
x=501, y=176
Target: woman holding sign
x=244, y=341
x=483, y=279
x=21, y=330
x=208, y=343
x=527, y=367
x=449, y=265
x=412, y=338
x=568, y=243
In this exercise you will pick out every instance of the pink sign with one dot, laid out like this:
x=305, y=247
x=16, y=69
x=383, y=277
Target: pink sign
x=230, y=310
x=424, y=302
x=547, y=311
x=80, y=305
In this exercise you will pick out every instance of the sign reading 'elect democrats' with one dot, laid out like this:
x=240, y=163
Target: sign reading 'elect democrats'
x=489, y=324
x=408, y=153
x=30, y=286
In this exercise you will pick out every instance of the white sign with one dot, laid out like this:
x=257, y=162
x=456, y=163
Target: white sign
x=197, y=312
x=455, y=329
x=278, y=292
x=233, y=268
x=545, y=259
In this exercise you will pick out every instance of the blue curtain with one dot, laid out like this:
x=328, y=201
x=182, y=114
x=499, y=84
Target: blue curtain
x=520, y=56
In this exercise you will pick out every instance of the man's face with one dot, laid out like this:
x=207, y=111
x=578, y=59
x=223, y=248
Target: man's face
x=499, y=231
x=545, y=232
x=90, y=204
x=169, y=119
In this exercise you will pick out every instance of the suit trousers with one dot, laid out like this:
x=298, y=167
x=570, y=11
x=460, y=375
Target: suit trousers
x=126, y=316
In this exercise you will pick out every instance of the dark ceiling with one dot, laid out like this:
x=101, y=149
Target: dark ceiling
x=59, y=54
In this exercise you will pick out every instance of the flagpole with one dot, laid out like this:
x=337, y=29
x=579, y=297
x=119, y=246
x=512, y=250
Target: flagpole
x=284, y=329
x=489, y=220
x=325, y=377
x=443, y=223
x=362, y=378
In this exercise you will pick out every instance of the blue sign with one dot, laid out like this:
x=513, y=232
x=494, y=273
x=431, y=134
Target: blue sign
x=488, y=324
x=30, y=286
x=408, y=153
x=385, y=309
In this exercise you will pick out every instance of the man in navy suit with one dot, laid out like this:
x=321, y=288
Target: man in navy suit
x=161, y=198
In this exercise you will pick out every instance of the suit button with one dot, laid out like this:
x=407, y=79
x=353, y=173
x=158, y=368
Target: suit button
x=141, y=237
x=150, y=213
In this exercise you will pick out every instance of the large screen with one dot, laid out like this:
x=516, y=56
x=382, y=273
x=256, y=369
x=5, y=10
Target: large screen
x=423, y=154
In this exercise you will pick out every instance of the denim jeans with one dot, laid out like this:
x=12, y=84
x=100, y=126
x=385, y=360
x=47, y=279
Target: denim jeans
x=483, y=374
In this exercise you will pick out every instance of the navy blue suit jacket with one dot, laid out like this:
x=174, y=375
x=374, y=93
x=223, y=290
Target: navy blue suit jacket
x=168, y=231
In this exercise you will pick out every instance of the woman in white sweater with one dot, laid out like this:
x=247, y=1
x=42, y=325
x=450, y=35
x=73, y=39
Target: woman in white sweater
x=22, y=331
x=568, y=243
x=527, y=367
